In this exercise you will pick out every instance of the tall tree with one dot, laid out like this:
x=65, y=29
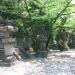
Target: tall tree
x=32, y=15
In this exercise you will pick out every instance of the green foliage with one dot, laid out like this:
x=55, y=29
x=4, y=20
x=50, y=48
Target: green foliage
x=39, y=16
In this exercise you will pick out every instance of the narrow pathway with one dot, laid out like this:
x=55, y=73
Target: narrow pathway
x=55, y=64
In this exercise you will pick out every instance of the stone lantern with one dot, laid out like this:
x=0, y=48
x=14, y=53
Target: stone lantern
x=8, y=42
x=42, y=46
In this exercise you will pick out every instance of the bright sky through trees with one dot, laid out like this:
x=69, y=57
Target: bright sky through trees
x=73, y=1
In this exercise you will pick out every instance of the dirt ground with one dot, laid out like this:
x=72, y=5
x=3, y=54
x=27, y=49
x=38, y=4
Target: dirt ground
x=55, y=64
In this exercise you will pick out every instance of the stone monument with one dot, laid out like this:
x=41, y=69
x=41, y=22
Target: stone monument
x=42, y=52
x=8, y=50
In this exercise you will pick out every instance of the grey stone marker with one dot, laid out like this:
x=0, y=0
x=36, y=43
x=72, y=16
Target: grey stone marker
x=42, y=46
x=10, y=54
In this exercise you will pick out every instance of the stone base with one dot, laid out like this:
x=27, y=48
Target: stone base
x=10, y=59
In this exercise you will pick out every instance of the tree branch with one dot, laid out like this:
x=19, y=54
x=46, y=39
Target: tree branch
x=59, y=14
x=67, y=13
x=54, y=21
x=71, y=5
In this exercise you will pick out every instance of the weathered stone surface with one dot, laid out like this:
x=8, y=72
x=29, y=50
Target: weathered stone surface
x=10, y=59
x=42, y=52
x=8, y=29
x=8, y=53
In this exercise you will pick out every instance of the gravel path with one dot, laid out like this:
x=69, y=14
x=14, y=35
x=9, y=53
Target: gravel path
x=55, y=64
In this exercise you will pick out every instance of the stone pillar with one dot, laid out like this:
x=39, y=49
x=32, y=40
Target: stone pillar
x=27, y=43
x=9, y=49
x=9, y=43
x=42, y=46
x=9, y=46
x=63, y=40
